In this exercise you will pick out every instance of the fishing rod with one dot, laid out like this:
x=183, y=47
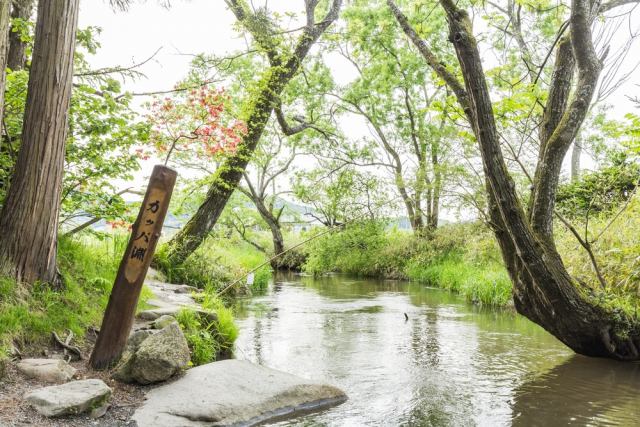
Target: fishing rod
x=302, y=243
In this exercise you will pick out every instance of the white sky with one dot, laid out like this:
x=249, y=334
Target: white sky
x=193, y=27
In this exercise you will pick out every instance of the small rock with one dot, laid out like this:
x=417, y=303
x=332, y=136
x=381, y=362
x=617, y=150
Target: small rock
x=47, y=370
x=185, y=289
x=71, y=398
x=138, y=337
x=154, y=314
x=163, y=321
x=153, y=274
x=209, y=316
x=100, y=411
x=158, y=358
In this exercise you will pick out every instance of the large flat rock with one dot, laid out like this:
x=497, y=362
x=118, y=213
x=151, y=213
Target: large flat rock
x=233, y=393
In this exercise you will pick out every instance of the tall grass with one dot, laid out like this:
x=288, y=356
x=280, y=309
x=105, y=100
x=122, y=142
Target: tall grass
x=209, y=341
x=462, y=257
x=488, y=284
x=216, y=263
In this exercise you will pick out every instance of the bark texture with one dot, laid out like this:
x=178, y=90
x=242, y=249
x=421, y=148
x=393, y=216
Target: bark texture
x=5, y=14
x=29, y=217
x=543, y=291
x=262, y=103
x=17, y=48
x=576, y=152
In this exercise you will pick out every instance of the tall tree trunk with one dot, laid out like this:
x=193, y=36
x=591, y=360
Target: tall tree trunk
x=437, y=190
x=274, y=226
x=575, y=157
x=5, y=14
x=29, y=217
x=17, y=48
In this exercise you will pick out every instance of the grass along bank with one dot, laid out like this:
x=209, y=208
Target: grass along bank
x=461, y=257
x=88, y=264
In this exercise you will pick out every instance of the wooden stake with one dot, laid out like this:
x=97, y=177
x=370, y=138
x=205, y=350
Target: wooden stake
x=121, y=309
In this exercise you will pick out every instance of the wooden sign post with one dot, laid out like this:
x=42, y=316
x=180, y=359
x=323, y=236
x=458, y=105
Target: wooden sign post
x=121, y=309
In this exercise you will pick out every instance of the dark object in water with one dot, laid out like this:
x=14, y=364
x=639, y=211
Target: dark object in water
x=406, y=317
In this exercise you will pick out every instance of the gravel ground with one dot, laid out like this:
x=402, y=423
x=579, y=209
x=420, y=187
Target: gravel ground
x=14, y=411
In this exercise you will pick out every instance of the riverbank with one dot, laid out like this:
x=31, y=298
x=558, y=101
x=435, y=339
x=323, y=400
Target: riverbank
x=463, y=258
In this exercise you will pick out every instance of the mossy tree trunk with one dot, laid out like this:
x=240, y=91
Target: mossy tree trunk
x=29, y=217
x=543, y=290
x=283, y=65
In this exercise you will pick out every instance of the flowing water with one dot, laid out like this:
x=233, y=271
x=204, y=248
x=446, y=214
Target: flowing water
x=450, y=364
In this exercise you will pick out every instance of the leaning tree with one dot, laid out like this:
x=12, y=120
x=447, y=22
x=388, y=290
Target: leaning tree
x=284, y=61
x=543, y=290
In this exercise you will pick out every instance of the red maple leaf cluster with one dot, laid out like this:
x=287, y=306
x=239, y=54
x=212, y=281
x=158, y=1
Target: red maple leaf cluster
x=194, y=123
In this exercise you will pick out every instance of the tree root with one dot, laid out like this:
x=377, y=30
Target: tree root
x=65, y=345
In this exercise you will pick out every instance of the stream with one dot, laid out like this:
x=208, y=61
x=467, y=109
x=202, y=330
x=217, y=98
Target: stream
x=451, y=363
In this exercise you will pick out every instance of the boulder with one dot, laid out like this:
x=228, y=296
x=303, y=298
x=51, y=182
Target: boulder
x=233, y=393
x=67, y=399
x=47, y=370
x=163, y=321
x=159, y=357
x=137, y=337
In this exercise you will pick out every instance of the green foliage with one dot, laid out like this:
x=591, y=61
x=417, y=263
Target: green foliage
x=103, y=128
x=600, y=191
x=462, y=257
x=29, y=314
x=217, y=262
x=209, y=341
x=615, y=241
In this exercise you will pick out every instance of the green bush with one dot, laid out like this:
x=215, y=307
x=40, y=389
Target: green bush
x=209, y=341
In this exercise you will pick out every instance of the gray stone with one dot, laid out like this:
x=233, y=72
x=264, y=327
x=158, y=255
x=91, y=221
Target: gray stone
x=154, y=274
x=99, y=412
x=136, y=338
x=233, y=393
x=209, y=316
x=163, y=321
x=159, y=357
x=47, y=370
x=71, y=398
x=186, y=289
x=155, y=303
x=158, y=312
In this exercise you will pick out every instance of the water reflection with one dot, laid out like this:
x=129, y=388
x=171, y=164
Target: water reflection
x=581, y=391
x=450, y=364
